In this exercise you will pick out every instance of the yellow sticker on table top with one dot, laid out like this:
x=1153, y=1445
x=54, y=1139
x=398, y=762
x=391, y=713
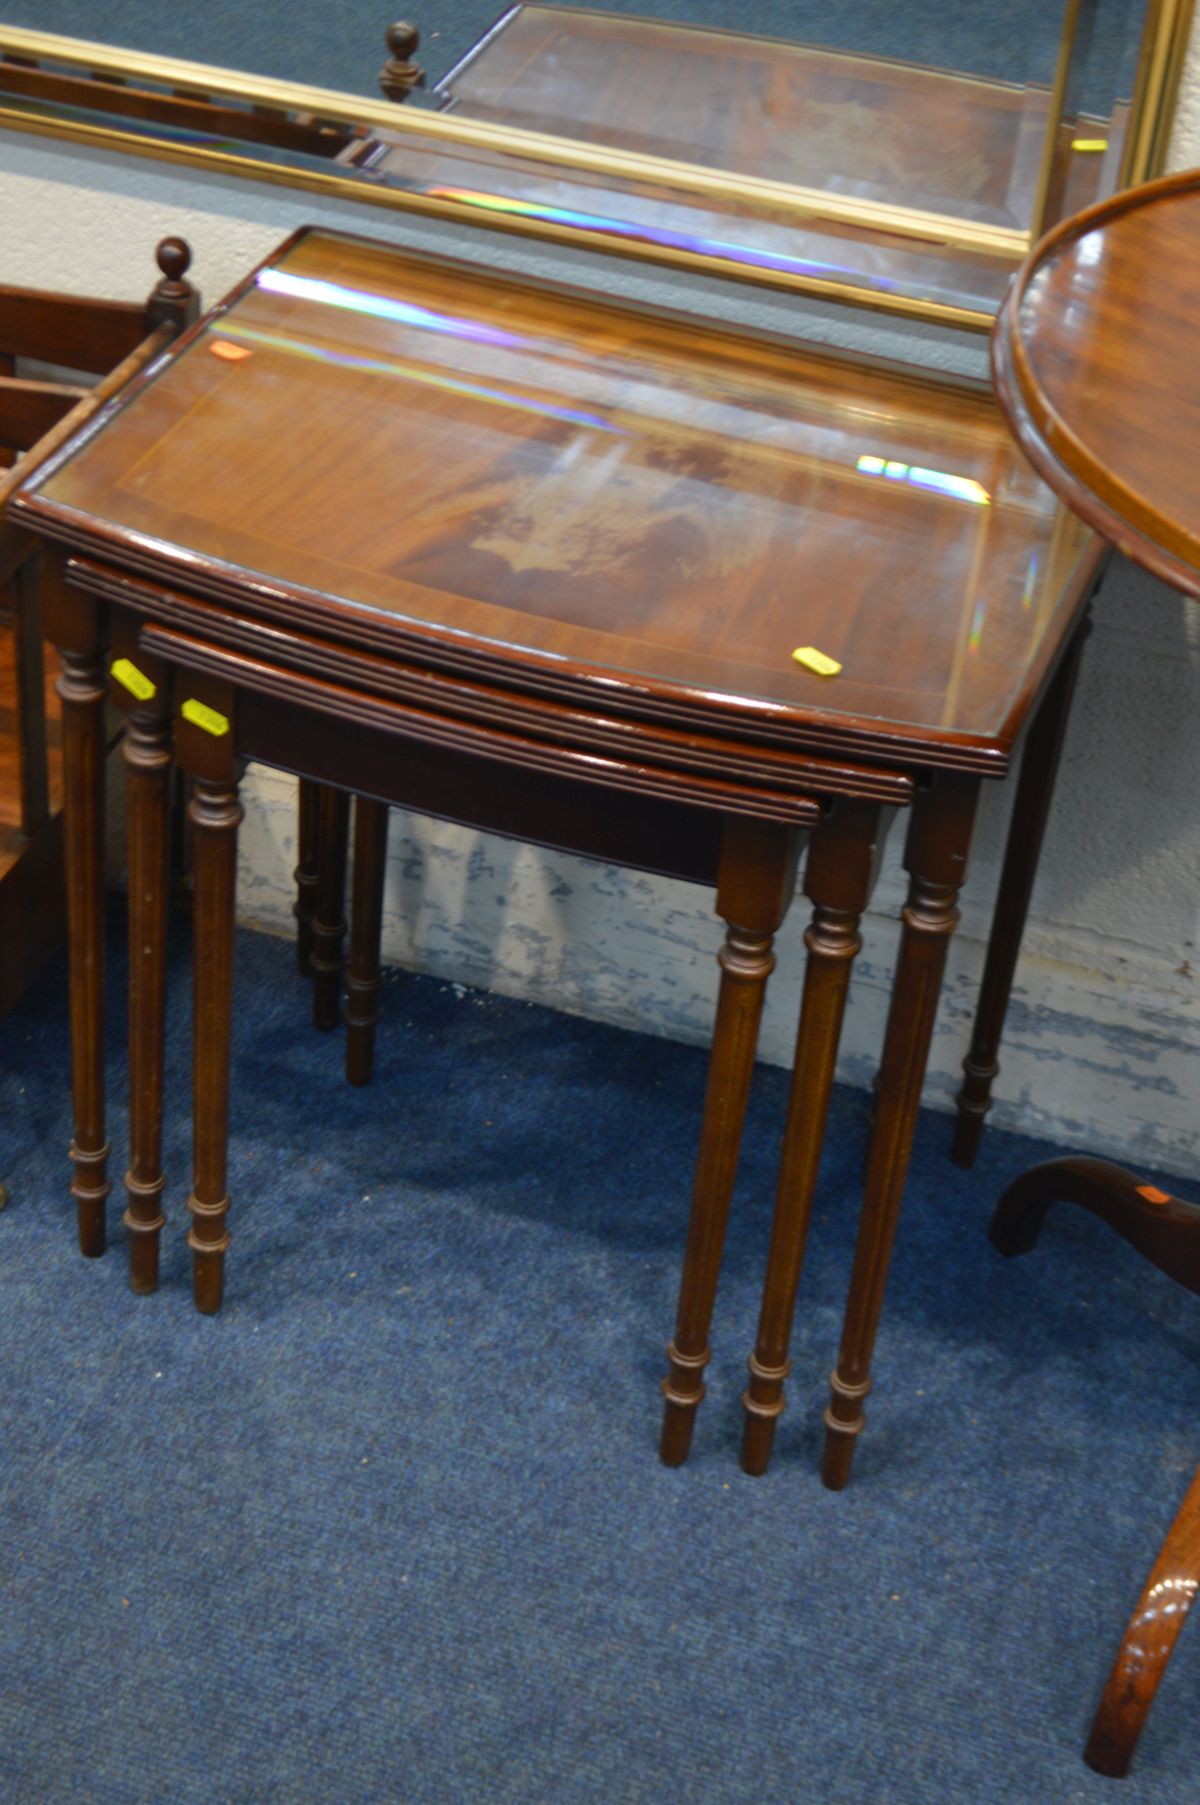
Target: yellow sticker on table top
x=1089, y=143
x=820, y=662
x=135, y=681
x=201, y=715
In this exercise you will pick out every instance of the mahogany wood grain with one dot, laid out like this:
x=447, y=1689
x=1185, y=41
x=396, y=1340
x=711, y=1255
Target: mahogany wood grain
x=754, y=888
x=366, y=922
x=1148, y=1643
x=843, y=862
x=1095, y=331
x=939, y=837
x=555, y=513
x=1031, y=809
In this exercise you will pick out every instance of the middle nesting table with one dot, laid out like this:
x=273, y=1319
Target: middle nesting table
x=506, y=554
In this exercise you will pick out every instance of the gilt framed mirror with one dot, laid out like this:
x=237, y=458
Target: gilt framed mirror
x=892, y=153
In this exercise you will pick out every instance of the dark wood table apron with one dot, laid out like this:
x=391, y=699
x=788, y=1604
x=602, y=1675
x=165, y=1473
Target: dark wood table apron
x=540, y=564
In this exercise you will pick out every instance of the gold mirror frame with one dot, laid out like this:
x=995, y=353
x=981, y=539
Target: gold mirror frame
x=1162, y=53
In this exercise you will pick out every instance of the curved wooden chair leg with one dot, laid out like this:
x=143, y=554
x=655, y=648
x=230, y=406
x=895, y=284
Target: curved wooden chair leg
x=1165, y=1230
x=1148, y=1643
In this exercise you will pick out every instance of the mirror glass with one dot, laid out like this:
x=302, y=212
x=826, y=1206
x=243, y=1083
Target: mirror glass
x=887, y=146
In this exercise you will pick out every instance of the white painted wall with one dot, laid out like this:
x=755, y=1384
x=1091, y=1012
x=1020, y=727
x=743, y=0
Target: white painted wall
x=1103, y=1050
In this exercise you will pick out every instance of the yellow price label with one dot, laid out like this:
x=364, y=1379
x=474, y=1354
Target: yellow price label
x=820, y=662
x=201, y=715
x=135, y=681
x=1089, y=143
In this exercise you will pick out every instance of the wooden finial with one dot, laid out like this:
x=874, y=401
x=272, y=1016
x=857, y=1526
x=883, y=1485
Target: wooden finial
x=400, y=74
x=173, y=298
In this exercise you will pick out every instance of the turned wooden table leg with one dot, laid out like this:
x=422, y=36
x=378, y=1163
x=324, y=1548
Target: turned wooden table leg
x=215, y=815
x=329, y=923
x=1031, y=808
x=308, y=808
x=842, y=864
x=366, y=928
x=754, y=887
x=939, y=838
x=82, y=689
x=1148, y=1643
x=147, y=777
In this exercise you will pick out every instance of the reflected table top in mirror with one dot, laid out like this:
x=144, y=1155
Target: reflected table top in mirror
x=1097, y=359
x=520, y=481
x=893, y=132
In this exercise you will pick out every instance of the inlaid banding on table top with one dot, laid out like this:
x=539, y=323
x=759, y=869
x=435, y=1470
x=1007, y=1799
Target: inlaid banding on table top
x=761, y=803
x=556, y=493
x=453, y=697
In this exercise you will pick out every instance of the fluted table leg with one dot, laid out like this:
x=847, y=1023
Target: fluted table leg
x=754, y=887
x=82, y=690
x=147, y=773
x=1031, y=809
x=215, y=814
x=366, y=927
x=939, y=838
x=842, y=864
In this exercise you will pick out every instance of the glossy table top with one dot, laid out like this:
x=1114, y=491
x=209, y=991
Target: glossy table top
x=519, y=483
x=1097, y=360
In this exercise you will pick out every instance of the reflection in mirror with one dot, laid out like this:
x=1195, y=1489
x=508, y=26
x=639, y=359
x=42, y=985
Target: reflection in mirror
x=900, y=153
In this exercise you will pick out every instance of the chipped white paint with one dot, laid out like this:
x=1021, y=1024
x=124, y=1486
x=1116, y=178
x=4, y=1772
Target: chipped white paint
x=1103, y=1049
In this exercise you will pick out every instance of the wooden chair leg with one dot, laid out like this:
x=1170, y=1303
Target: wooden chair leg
x=1035, y=792
x=147, y=757
x=366, y=928
x=754, y=887
x=215, y=815
x=1164, y=1229
x=82, y=689
x=842, y=864
x=307, y=827
x=939, y=838
x=1148, y=1643
x=329, y=923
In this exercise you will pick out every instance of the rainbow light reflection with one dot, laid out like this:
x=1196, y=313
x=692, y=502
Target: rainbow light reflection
x=419, y=373
x=940, y=482
x=380, y=307
x=678, y=241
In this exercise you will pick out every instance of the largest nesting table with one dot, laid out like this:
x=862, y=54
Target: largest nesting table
x=538, y=563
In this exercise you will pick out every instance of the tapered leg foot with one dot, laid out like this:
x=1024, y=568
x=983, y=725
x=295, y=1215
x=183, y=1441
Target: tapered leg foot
x=755, y=884
x=842, y=865
x=939, y=837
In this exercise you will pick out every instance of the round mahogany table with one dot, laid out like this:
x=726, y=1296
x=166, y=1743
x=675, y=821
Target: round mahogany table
x=1096, y=358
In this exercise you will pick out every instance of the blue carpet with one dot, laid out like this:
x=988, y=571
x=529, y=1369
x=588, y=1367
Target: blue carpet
x=392, y=1527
